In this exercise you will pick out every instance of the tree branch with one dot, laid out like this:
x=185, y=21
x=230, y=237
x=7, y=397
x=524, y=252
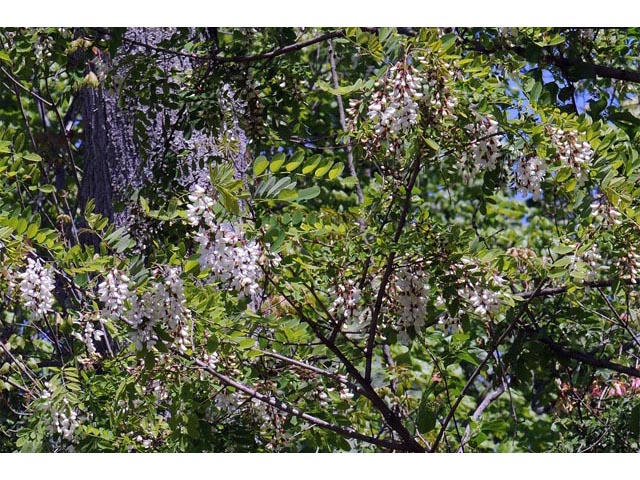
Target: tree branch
x=479, y=368
x=306, y=366
x=567, y=63
x=17, y=83
x=388, y=269
x=546, y=292
x=241, y=58
x=409, y=443
x=488, y=400
x=583, y=357
x=344, y=431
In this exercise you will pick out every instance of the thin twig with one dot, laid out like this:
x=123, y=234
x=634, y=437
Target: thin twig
x=343, y=121
x=19, y=84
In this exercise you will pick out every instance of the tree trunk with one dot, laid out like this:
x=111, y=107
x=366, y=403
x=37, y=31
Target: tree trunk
x=113, y=165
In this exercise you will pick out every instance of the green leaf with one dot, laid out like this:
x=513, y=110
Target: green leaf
x=432, y=144
x=336, y=170
x=323, y=169
x=47, y=188
x=564, y=261
x=280, y=185
x=32, y=231
x=448, y=41
x=288, y=195
x=295, y=162
x=315, y=160
x=276, y=162
x=260, y=164
x=309, y=193
x=557, y=40
x=324, y=86
x=144, y=205
x=32, y=157
x=192, y=264
x=426, y=420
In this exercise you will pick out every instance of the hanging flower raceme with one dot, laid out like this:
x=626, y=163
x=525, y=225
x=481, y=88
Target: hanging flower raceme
x=162, y=303
x=64, y=419
x=484, y=151
x=437, y=74
x=36, y=288
x=394, y=107
x=529, y=172
x=485, y=297
x=572, y=152
x=412, y=291
x=602, y=210
x=230, y=257
x=594, y=263
x=346, y=299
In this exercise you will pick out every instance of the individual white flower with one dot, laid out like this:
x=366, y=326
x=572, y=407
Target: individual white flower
x=36, y=288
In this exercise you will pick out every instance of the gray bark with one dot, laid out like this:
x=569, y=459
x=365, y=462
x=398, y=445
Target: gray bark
x=114, y=167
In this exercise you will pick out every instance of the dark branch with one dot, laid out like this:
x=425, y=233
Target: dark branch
x=567, y=63
x=345, y=431
x=589, y=359
x=389, y=268
x=241, y=58
x=547, y=292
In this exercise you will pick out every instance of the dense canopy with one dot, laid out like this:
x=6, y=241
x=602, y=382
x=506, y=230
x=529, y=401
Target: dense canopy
x=310, y=239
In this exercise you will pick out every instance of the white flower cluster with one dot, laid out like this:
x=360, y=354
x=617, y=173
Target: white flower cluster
x=163, y=303
x=629, y=265
x=64, y=421
x=485, y=299
x=344, y=391
x=347, y=296
x=593, y=261
x=36, y=288
x=228, y=401
x=530, y=172
x=89, y=334
x=484, y=152
x=411, y=294
x=605, y=212
x=439, y=97
x=572, y=151
x=113, y=292
x=394, y=107
x=224, y=250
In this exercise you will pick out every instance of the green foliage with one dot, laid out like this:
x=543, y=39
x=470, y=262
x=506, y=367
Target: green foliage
x=300, y=268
